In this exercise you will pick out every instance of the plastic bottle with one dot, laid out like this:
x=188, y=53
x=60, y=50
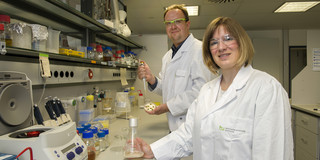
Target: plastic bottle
x=141, y=101
x=87, y=137
x=133, y=97
x=132, y=150
x=3, y=50
x=101, y=141
x=90, y=53
x=99, y=53
x=5, y=20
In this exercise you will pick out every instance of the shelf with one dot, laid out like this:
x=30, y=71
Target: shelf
x=23, y=53
x=60, y=16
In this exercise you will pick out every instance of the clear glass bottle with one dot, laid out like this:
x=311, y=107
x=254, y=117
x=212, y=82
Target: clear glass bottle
x=106, y=138
x=131, y=149
x=95, y=138
x=101, y=141
x=87, y=137
x=99, y=53
x=90, y=53
x=80, y=131
x=107, y=54
x=3, y=50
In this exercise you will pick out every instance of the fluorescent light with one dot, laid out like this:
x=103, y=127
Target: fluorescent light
x=296, y=6
x=192, y=10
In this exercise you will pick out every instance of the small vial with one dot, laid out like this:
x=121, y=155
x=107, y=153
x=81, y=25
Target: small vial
x=87, y=137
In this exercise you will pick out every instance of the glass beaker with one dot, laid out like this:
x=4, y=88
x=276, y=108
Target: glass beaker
x=122, y=104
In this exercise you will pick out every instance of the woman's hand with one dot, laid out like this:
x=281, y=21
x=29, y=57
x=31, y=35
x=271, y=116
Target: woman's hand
x=146, y=149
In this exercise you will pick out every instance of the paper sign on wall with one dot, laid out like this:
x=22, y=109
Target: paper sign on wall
x=316, y=59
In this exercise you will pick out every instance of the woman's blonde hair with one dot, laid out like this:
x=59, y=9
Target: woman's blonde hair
x=246, y=49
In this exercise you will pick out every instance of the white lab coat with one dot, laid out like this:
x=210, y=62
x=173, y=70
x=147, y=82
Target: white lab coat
x=251, y=121
x=181, y=79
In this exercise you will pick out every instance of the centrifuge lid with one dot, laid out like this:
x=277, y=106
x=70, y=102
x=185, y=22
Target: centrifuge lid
x=15, y=104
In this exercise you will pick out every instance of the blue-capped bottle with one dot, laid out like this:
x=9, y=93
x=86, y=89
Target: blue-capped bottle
x=101, y=141
x=87, y=137
x=106, y=137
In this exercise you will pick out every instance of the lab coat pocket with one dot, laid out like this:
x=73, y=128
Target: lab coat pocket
x=233, y=138
x=180, y=80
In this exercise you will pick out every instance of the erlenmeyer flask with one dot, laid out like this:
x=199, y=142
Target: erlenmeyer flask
x=132, y=150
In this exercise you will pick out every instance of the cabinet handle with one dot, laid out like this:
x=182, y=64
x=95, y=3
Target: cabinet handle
x=304, y=141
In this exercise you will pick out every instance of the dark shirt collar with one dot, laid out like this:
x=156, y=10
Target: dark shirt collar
x=175, y=49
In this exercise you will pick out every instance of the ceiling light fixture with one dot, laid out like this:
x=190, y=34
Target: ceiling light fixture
x=192, y=10
x=220, y=1
x=296, y=6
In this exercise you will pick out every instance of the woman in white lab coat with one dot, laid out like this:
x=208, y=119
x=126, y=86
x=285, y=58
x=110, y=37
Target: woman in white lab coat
x=244, y=114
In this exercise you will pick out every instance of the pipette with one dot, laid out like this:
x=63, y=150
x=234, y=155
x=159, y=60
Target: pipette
x=143, y=79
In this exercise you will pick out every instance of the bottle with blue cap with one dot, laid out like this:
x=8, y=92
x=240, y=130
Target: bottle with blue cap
x=101, y=141
x=106, y=137
x=87, y=137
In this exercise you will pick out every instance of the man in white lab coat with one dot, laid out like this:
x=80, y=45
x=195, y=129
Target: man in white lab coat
x=183, y=72
x=244, y=114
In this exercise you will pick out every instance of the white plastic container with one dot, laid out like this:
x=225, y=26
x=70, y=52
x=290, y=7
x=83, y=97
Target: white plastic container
x=122, y=104
x=21, y=35
x=53, y=41
x=85, y=116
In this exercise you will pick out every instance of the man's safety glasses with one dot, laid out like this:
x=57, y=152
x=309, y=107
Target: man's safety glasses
x=176, y=22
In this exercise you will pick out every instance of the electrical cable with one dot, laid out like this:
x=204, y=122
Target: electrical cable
x=44, y=87
x=28, y=148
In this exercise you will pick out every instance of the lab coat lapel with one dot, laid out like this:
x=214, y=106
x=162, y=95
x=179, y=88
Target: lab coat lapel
x=238, y=83
x=184, y=49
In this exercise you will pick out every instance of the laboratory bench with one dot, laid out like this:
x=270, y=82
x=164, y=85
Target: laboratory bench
x=306, y=131
x=150, y=129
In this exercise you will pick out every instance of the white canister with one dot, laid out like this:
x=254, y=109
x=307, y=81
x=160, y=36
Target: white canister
x=21, y=35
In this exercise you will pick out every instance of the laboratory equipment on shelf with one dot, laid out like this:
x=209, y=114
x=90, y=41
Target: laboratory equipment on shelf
x=132, y=150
